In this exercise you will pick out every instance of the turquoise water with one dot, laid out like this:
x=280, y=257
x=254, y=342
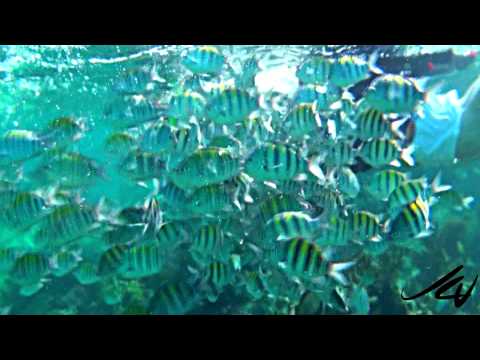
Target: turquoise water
x=216, y=260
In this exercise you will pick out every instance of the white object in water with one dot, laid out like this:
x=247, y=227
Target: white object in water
x=437, y=126
x=281, y=79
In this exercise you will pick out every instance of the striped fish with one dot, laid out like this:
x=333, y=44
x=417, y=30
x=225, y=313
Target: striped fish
x=134, y=81
x=64, y=262
x=67, y=223
x=349, y=70
x=211, y=199
x=276, y=161
x=204, y=60
x=71, y=169
x=172, y=195
x=315, y=70
x=63, y=130
x=29, y=271
x=231, y=106
x=338, y=233
x=302, y=120
x=174, y=299
x=113, y=260
x=382, y=152
x=25, y=209
x=216, y=276
x=8, y=256
x=409, y=190
x=17, y=145
x=372, y=123
x=291, y=224
x=210, y=244
x=365, y=226
x=86, y=273
x=142, y=261
x=120, y=143
x=384, y=182
x=186, y=105
x=304, y=259
x=158, y=138
x=277, y=204
x=330, y=199
x=140, y=166
x=128, y=112
x=341, y=153
x=172, y=234
x=205, y=167
x=413, y=221
x=394, y=94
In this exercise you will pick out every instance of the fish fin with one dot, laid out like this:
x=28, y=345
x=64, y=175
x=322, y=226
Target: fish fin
x=282, y=237
x=142, y=184
x=372, y=63
x=395, y=163
x=387, y=226
x=467, y=202
x=328, y=253
x=395, y=128
x=236, y=261
x=270, y=184
x=235, y=200
x=193, y=271
x=301, y=177
x=377, y=238
x=424, y=234
x=100, y=206
x=314, y=167
x=212, y=296
x=335, y=271
x=156, y=186
x=247, y=197
x=407, y=156
x=29, y=290
x=337, y=105
x=436, y=184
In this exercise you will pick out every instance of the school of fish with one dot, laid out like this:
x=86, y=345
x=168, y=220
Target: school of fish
x=267, y=198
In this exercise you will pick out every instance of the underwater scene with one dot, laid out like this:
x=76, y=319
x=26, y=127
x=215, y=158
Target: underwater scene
x=239, y=179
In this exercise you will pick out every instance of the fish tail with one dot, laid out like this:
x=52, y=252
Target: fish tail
x=406, y=156
x=314, y=167
x=436, y=184
x=336, y=270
